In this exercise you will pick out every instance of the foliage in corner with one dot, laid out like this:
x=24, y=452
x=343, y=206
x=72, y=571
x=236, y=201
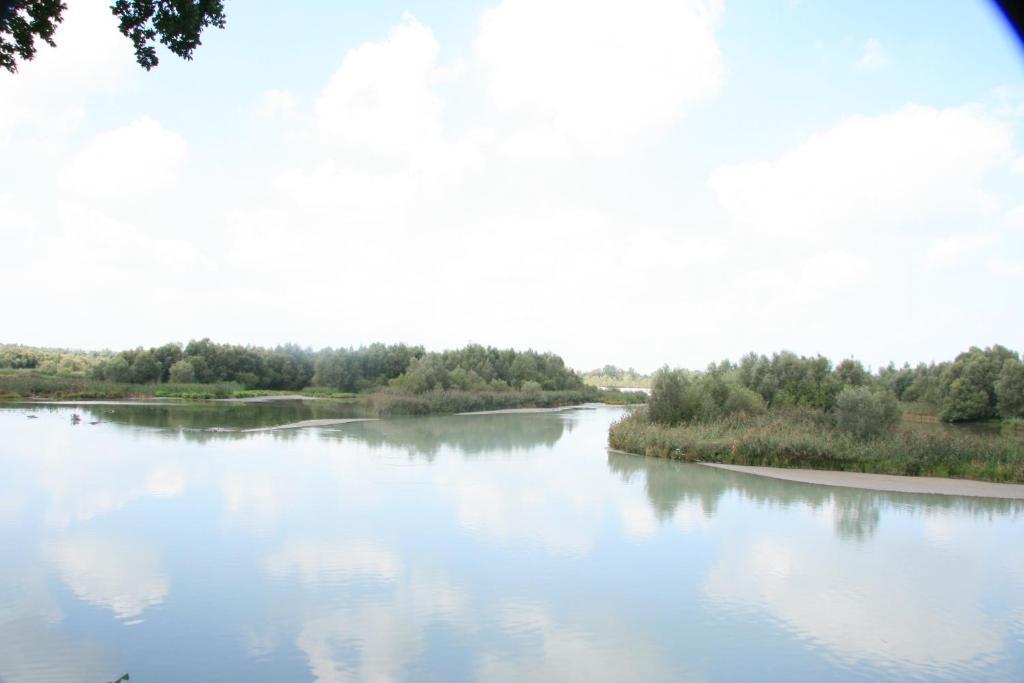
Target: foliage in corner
x=177, y=24
x=21, y=22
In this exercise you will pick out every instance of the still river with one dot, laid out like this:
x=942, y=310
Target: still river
x=489, y=547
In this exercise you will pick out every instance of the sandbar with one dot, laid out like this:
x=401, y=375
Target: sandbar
x=884, y=482
x=521, y=411
x=325, y=422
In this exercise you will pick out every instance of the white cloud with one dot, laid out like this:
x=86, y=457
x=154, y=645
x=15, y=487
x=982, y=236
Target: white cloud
x=1015, y=217
x=833, y=270
x=873, y=57
x=869, y=172
x=1004, y=267
x=328, y=186
x=381, y=97
x=138, y=159
x=278, y=104
x=603, y=74
x=91, y=56
x=885, y=615
x=1017, y=166
x=126, y=577
x=953, y=250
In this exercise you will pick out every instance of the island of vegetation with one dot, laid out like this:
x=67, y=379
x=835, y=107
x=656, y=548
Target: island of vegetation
x=388, y=379
x=795, y=411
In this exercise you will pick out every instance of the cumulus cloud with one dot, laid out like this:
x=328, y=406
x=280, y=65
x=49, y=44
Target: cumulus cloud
x=869, y=172
x=382, y=96
x=138, y=159
x=605, y=75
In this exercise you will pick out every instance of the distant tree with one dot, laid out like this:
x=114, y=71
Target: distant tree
x=1010, y=389
x=668, y=403
x=968, y=383
x=865, y=413
x=851, y=373
x=965, y=401
x=176, y=24
x=182, y=372
x=743, y=400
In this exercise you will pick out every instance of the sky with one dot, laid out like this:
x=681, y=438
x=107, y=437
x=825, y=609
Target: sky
x=643, y=183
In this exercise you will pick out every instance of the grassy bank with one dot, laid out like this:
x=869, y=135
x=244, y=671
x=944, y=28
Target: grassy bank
x=29, y=384
x=809, y=439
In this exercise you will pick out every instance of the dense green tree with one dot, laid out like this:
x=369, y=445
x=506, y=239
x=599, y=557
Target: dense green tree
x=851, y=373
x=968, y=383
x=1009, y=389
x=182, y=372
x=965, y=401
x=176, y=24
x=669, y=402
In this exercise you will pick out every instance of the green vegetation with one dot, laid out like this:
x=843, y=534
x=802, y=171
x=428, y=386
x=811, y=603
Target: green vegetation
x=614, y=377
x=390, y=379
x=792, y=411
x=389, y=402
x=801, y=437
x=979, y=384
x=176, y=25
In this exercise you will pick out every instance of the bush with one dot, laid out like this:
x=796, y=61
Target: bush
x=743, y=400
x=865, y=413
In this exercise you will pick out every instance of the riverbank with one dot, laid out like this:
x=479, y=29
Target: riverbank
x=36, y=386
x=884, y=482
x=809, y=440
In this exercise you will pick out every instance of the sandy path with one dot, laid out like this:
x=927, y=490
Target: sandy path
x=884, y=482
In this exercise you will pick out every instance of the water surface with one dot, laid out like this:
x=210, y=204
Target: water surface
x=488, y=547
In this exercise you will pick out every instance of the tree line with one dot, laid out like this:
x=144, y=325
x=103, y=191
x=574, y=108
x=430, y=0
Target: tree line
x=409, y=369
x=978, y=384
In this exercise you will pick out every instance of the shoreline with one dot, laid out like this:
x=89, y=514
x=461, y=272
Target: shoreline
x=894, y=483
x=524, y=411
x=302, y=424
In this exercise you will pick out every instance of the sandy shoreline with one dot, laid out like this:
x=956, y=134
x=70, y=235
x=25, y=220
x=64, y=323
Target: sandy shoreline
x=884, y=482
x=325, y=422
x=522, y=411
x=268, y=399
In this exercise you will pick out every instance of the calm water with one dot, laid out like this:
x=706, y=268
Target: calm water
x=504, y=547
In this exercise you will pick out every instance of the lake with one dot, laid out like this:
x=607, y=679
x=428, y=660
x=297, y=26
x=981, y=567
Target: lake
x=485, y=547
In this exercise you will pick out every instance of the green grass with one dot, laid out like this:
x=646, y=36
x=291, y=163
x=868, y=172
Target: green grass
x=807, y=439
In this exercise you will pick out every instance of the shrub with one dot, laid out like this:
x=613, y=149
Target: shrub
x=865, y=413
x=743, y=400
